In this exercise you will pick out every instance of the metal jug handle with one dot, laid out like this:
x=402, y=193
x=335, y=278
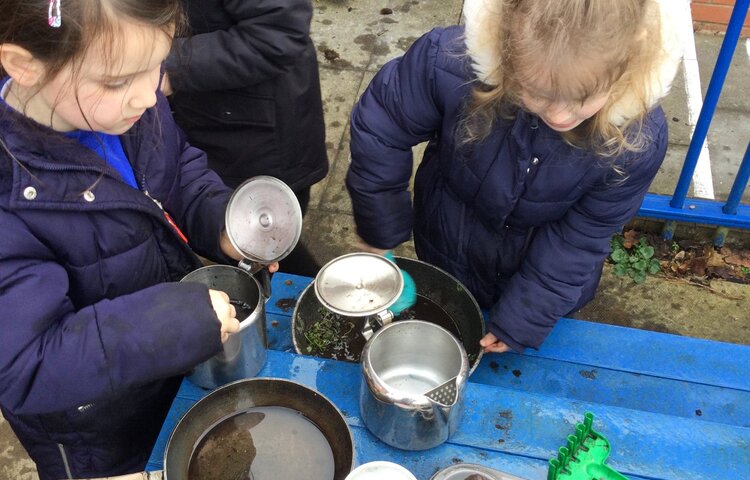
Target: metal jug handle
x=263, y=277
x=374, y=322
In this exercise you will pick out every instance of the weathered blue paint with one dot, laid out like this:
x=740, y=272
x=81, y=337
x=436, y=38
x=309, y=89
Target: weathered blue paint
x=645, y=388
x=607, y=386
x=720, y=236
x=702, y=211
x=648, y=353
x=503, y=421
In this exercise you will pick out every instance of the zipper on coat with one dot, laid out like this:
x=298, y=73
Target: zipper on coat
x=462, y=231
x=64, y=456
x=176, y=229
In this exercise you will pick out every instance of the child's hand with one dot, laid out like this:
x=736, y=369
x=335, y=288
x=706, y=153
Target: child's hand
x=225, y=312
x=361, y=245
x=228, y=249
x=490, y=343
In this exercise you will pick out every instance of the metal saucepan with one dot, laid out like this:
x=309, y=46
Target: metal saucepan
x=278, y=427
x=414, y=375
x=441, y=299
x=244, y=353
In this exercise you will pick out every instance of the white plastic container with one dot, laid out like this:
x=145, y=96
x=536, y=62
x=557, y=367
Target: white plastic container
x=380, y=470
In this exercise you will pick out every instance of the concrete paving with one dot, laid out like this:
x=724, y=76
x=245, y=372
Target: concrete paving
x=354, y=39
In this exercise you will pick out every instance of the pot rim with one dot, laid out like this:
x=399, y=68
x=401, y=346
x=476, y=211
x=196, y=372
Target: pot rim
x=474, y=364
x=387, y=393
x=218, y=391
x=257, y=312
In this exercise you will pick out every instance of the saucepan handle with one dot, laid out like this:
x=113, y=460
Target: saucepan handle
x=261, y=273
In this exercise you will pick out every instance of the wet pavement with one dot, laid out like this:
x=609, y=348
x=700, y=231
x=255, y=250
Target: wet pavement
x=354, y=39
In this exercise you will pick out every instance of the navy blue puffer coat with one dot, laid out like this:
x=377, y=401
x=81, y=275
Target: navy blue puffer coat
x=521, y=218
x=96, y=331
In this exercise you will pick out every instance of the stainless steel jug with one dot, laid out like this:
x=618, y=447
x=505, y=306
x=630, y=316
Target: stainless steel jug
x=244, y=352
x=263, y=221
x=414, y=375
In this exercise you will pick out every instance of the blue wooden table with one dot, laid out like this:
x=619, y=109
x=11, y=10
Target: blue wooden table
x=672, y=407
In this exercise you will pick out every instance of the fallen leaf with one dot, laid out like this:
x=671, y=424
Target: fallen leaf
x=741, y=260
x=715, y=259
x=629, y=239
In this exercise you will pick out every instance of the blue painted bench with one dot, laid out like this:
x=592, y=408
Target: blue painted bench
x=672, y=407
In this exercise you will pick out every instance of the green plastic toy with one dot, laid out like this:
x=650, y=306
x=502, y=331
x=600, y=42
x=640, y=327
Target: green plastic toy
x=583, y=457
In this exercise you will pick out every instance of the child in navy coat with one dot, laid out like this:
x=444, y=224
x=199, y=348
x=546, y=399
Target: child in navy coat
x=544, y=135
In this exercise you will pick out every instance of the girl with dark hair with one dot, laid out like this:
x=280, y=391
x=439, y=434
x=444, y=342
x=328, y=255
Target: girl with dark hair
x=96, y=330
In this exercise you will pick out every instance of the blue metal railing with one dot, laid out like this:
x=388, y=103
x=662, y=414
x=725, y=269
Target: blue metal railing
x=727, y=215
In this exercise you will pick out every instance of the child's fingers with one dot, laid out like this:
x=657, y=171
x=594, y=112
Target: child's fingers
x=487, y=340
x=497, y=347
x=226, y=313
x=361, y=245
x=229, y=327
x=490, y=343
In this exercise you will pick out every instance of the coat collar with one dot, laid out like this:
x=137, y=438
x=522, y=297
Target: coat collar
x=482, y=20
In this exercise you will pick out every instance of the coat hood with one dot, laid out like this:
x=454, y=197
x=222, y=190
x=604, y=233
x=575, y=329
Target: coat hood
x=483, y=49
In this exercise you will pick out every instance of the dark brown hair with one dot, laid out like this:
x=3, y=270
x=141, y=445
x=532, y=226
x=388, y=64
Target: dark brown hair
x=24, y=23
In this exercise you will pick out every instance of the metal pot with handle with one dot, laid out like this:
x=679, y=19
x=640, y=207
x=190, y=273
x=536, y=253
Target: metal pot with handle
x=360, y=285
x=414, y=375
x=263, y=222
x=413, y=371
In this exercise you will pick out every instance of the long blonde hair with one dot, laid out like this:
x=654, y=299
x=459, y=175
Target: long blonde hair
x=579, y=48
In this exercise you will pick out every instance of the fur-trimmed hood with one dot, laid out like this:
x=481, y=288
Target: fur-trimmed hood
x=483, y=49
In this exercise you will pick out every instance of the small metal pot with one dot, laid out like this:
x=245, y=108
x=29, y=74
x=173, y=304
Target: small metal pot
x=464, y=471
x=244, y=352
x=413, y=378
x=263, y=222
x=457, y=311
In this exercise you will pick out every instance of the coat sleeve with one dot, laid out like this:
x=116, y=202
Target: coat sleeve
x=198, y=198
x=54, y=356
x=399, y=110
x=565, y=254
x=267, y=37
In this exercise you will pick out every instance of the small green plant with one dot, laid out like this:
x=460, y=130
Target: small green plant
x=745, y=271
x=330, y=332
x=636, y=262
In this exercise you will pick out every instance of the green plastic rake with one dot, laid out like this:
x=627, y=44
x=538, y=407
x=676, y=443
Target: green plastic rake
x=584, y=455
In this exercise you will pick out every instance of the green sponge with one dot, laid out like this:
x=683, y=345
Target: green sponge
x=408, y=296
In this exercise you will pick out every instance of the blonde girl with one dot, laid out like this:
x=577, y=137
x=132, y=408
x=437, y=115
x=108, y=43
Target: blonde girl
x=544, y=134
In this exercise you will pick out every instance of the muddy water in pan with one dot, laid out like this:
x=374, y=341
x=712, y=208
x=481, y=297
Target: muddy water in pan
x=262, y=443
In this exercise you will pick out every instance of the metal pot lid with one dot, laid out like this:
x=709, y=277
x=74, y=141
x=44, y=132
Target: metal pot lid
x=470, y=471
x=358, y=284
x=263, y=219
